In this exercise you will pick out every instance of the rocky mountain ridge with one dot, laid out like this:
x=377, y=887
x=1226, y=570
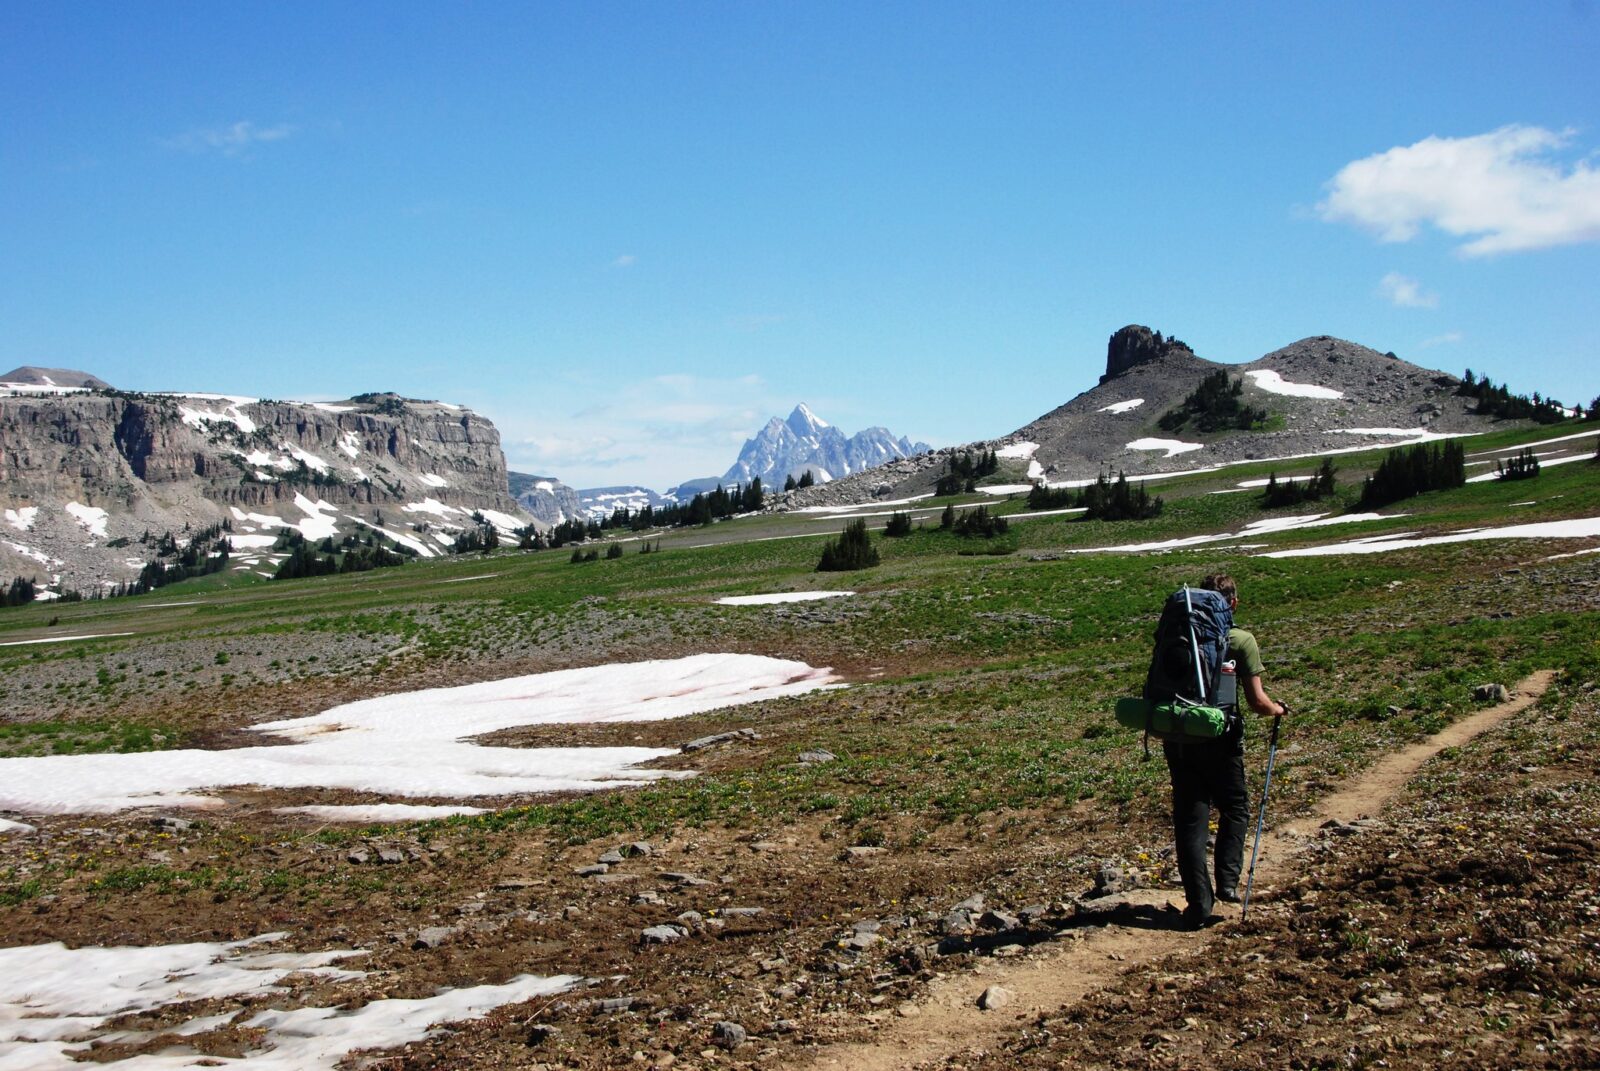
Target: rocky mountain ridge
x=1321, y=393
x=85, y=473
x=807, y=443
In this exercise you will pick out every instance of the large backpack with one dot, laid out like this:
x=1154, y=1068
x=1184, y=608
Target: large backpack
x=1190, y=691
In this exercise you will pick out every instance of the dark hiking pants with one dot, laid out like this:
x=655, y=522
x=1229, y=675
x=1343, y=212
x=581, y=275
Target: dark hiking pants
x=1207, y=774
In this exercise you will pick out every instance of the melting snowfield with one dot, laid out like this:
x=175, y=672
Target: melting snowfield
x=418, y=744
x=780, y=596
x=1573, y=529
x=55, y=1002
x=1271, y=382
x=1251, y=530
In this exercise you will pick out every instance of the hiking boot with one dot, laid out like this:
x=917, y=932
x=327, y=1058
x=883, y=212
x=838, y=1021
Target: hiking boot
x=1228, y=895
x=1193, y=920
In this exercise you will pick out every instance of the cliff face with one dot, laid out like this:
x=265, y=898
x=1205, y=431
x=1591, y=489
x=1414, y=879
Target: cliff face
x=145, y=462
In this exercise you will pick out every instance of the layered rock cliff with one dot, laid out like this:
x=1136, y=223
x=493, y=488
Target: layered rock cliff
x=83, y=472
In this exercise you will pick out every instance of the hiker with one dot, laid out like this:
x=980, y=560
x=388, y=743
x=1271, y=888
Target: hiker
x=1210, y=773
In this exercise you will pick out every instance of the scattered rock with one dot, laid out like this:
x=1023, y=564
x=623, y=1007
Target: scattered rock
x=638, y=847
x=741, y=912
x=391, y=855
x=358, y=857
x=662, y=935
x=994, y=997
x=611, y=857
x=592, y=871
x=859, y=942
x=649, y=896
x=998, y=920
x=171, y=824
x=614, y=1004
x=704, y=742
x=684, y=879
x=433, y=937
x=863, y=851
x=728, y=1035
x=816, y=756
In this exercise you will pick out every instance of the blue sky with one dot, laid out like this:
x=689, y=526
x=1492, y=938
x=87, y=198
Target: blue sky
x=630, y=233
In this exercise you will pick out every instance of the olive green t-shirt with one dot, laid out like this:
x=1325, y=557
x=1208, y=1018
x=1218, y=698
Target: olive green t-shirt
x=1246, y=654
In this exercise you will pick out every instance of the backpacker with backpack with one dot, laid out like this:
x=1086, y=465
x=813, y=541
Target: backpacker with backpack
x=1191, y=691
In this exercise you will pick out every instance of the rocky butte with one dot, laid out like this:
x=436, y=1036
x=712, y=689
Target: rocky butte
x=86, y=472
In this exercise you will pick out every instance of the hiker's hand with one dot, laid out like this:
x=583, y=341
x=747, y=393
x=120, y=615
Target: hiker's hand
x=1283, y=711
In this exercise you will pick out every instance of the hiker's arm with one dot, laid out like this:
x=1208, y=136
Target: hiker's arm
x=1260, y=701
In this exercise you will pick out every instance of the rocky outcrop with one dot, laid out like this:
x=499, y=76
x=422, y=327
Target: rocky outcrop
x=137, y=463
x=68, y=378
x=545, y=498
x=1136, y=345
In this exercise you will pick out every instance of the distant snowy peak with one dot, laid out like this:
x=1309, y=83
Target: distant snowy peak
x=805, y=442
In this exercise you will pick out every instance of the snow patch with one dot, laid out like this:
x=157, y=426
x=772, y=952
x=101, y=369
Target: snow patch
x=1579, y=528
x=316, y=526
x=22, y=519
x=201, y=419
x=433, y=480
x=1254, y=528
x=1121, y=407
x=1005, y=488
x=350, y=444
x=311, y=461
x=1018, y=450
x=37, y=555
x=93, y=518
x=65, y=639
x=503, y=521
x=780, y=596
x=1173, y=447
x=56, y=1003
x=430, y=505
x=8, y=826
x=379, y=812
x=1271, y=382
x=420, y=743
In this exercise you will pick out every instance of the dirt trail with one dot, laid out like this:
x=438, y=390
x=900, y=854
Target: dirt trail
x=948, y=1019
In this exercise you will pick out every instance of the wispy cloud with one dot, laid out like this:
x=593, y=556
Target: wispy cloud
x=1504, y=190
x=231, y=139
x=1449, y=338
x=657, y=431
x=626, y=260
x=1406, y=292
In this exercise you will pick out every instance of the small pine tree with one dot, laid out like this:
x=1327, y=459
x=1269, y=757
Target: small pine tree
x=1525, y=466
x=614, y=551
x=899, y=525
x=947, y=519
x=790, y=484
x=807, y=479
x=852, y=550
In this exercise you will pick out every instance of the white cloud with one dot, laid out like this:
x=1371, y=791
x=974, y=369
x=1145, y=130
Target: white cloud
x=233, y=139
x=1502, y=189
x=1406, y=292
x=626, y=260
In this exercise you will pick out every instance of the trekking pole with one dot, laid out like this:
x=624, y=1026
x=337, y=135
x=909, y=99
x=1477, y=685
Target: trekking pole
x=1272, y=755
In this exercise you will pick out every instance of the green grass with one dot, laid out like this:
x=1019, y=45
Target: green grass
x=1000, y=668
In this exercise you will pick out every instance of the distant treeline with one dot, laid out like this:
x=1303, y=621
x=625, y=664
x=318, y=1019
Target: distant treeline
x=705, y=508
x=963, y=471
x=1498, y=401
x=353, y=554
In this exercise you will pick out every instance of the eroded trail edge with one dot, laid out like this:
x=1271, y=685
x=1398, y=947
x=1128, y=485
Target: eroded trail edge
x=947, y=1020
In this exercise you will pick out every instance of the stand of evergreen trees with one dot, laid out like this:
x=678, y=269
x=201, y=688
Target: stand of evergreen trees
x=1103, y=500
x=1413, y=470
x=973, y=524
x=1498, y=401
x=963, y=471
x=356, y=553
x=1215, y=406
x=806, y=480
x=1525, y=466
x=20, y=593
x=205, y=553
x=899, y=525
x=482, y=537
x=852, y=550
x=1294, y=492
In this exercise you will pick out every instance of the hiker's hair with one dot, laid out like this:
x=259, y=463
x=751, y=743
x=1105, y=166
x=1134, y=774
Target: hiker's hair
x=1221, y=583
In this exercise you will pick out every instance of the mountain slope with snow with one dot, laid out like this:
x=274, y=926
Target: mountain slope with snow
x=86, y=474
